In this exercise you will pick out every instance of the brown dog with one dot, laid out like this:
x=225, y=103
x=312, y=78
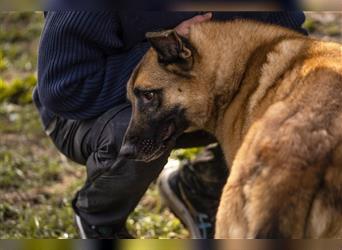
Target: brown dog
x=273, y=99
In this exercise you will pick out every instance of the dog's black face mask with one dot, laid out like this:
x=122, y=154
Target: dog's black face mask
x=153, y=130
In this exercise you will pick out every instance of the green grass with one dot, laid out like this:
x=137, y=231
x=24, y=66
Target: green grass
x=20, y=171
x=332, y=30
x=19, y=37
x=36, y=184
x=19, y=91
x=310, y=25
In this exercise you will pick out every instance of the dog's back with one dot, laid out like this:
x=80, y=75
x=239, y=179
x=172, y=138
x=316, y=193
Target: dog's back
x=286, y=178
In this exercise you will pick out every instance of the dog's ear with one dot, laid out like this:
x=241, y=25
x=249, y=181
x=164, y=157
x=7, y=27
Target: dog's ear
x=171, y=48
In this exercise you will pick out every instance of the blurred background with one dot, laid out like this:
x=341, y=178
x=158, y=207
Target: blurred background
x=36, y=182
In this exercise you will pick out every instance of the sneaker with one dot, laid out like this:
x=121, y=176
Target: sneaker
x=199, y=223
x=87, y=231
x=193, y=190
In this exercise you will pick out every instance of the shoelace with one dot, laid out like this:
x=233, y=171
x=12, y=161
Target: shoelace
x=204, y=225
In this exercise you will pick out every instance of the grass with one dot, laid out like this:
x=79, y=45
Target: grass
x=37, y=184
x=329, y=29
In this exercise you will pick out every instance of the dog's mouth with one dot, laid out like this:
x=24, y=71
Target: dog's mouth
x=163, y=134
x=148, y=150
x=168, y=131
x=154, y=150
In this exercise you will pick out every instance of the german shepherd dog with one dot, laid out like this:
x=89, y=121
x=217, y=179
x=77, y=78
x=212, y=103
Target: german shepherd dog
x=273, y=99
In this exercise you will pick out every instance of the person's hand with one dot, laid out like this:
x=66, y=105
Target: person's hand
x=183, y=29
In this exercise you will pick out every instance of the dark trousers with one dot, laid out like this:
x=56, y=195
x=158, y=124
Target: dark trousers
x=114, y=185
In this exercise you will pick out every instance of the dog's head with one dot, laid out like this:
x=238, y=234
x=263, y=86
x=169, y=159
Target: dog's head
x=167, y=95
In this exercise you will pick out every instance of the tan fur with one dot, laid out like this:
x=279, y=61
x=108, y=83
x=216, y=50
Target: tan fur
x=273, y=99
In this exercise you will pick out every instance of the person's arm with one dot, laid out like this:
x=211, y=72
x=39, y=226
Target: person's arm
x=289, y=19
x=77, y=63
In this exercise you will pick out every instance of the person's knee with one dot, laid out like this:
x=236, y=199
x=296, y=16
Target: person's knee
x=106, y=139
x=109, y=130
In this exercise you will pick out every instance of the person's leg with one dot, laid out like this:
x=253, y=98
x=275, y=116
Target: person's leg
x=114, y=186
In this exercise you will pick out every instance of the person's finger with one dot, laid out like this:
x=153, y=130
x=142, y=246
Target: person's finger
x=200, y=18
x=184, y=27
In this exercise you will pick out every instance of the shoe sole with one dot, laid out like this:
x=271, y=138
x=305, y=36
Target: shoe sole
x=80, y=227
x=175, y=204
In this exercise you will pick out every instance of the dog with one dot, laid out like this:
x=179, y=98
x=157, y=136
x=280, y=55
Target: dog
x=273, y=99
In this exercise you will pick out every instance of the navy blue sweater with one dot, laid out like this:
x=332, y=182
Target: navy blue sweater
x=86, y=58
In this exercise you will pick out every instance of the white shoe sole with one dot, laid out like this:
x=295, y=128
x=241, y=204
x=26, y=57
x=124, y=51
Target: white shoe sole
x=175, y=204
x=80, y=227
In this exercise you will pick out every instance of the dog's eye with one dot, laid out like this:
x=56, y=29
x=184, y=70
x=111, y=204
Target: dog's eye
x=148, y=96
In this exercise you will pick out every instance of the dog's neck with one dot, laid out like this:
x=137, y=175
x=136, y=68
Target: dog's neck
x=242, y=53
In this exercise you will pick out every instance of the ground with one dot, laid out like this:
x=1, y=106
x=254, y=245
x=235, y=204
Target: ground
x=36, y=182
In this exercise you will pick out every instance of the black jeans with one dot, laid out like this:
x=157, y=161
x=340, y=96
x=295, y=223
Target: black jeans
x=114, y=186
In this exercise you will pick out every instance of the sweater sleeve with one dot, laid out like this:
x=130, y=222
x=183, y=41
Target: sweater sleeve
x=290, y=19
x=80, y=64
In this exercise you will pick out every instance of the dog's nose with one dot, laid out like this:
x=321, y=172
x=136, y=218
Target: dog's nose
x=128, y=151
